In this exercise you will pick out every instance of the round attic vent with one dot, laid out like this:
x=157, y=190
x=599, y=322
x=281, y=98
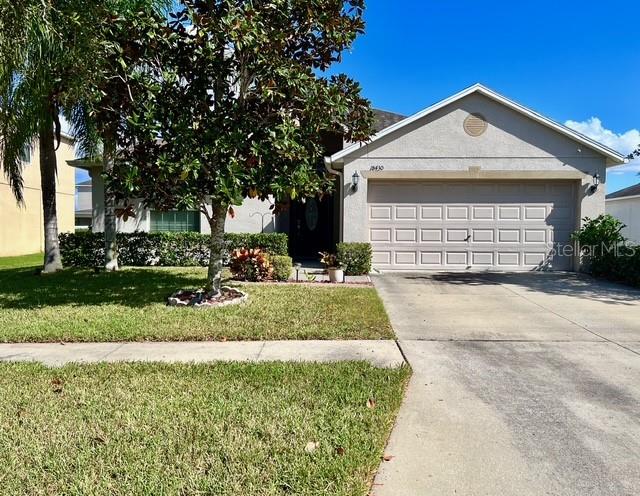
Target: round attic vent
x=475, y=124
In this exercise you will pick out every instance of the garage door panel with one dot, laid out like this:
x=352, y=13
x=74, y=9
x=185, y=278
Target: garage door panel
x=457, y=212
x=535, y=212
x=381, y=257
x=406, y=213
x=380, y=213
x=508, y=259
x=509, y=235
x=431, y=213
x=457, y=258
x=405, y=258
x=406, y=235
x=431, y=235
x=465, y=225
x=431, y=258
x=482, y=258
x=456, y=235
x=509, y=212
x=535, y=236
x=483, y=213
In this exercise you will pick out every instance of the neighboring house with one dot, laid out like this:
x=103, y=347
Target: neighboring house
x=21, y=226
x=474, y=182
x=84, y=205
x=625, y=206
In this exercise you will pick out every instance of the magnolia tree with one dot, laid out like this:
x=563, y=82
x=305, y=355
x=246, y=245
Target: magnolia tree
x=234, y=102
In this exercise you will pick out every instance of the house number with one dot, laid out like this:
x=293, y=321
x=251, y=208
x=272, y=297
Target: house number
x=376, y=168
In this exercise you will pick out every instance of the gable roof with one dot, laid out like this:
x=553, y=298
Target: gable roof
x=384, y=119
x=613, y=157
x=625, y=193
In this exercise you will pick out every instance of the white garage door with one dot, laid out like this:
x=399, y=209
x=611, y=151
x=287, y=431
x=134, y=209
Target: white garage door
x=471, y=225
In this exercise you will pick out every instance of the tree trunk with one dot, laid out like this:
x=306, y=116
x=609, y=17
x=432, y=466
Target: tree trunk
x=216, y=244
x=110, y=225
x=48, y=172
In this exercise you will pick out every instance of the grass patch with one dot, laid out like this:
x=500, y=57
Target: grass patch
x=224, y=429
x=34, y=260
x=129, y=305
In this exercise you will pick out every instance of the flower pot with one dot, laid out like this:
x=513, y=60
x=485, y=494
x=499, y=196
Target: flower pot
x=335, y=274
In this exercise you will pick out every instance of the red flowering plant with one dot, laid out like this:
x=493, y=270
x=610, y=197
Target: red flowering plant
x=250, y=265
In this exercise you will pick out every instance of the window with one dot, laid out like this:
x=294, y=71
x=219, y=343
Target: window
x=175, y=221
x=25, y=156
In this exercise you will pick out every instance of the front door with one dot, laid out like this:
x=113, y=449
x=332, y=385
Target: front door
x=311, y=229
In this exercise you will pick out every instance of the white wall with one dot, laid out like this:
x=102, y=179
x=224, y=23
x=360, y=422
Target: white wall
x=627, y=210
x=249, y=217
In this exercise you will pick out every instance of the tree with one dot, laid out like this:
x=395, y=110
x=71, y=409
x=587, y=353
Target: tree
x=123, y=31
x=44, y=50
x=234, y=103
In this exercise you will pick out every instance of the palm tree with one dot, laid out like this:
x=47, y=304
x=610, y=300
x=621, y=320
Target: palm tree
x=44, y=52
x=62, y=56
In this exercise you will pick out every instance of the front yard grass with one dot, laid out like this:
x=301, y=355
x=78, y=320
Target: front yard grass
x=223, y=429
x=129, y=305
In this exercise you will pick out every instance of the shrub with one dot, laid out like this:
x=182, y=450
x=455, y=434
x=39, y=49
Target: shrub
x=605, y=250
x=355, y=257
x=178, y=249
x=598, y=239
x=250, y=265
x=282, y=266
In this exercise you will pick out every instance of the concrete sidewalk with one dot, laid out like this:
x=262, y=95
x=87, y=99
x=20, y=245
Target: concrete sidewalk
x=378, y=353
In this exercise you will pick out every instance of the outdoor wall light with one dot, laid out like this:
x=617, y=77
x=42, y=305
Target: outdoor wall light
x=596, y=183
x=355, y=180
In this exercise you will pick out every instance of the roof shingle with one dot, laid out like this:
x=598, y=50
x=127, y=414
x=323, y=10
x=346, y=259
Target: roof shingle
x=630, y=191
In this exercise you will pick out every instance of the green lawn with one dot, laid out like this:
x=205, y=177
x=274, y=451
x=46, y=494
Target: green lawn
x=223, y=429
x=79, y=305
x=33, y=260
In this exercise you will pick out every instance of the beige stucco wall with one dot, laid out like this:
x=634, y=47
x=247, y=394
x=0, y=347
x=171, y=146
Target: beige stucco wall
x=437, y=147
x=21, y=229
x=627, y=210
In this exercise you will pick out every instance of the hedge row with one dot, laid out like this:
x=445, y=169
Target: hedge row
x=168, y=249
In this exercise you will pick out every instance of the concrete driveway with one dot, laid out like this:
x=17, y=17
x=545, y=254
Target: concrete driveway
x=524, y=384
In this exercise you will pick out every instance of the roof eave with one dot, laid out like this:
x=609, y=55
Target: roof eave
x=85, y=164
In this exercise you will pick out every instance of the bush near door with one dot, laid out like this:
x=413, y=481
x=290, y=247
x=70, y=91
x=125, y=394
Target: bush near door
x=355, y=258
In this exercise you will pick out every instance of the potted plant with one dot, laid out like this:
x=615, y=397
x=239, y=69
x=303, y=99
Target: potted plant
x=335, y=271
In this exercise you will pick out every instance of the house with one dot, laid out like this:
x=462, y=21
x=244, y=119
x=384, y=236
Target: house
x=625, y=206
x=474, y=182
x=21, y=226
x=84, y=205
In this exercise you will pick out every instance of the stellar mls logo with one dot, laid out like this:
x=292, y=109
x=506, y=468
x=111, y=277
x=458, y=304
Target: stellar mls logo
x=618, y=250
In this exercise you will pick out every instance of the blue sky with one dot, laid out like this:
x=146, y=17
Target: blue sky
x=570, y=60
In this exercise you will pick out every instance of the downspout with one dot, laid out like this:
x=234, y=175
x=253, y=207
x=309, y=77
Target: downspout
x=328, y=163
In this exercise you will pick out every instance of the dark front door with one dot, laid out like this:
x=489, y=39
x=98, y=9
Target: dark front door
x=311, y=228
